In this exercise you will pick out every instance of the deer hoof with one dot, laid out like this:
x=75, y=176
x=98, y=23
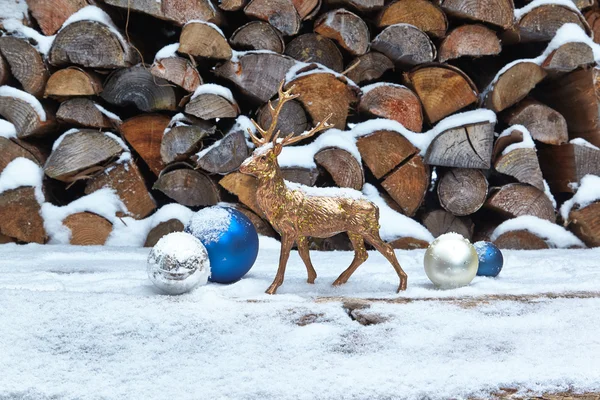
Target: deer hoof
x=402, y=286
x=272, y=289
x=311, y=280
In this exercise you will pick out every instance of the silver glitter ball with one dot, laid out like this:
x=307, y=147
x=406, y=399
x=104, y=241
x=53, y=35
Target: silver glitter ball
x=451, y=261
x=178, y=263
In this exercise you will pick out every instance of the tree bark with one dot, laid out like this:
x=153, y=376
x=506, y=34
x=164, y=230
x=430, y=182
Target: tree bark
x=567, y=164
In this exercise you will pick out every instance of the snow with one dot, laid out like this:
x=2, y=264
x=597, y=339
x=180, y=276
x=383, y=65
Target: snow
x=86, y=323
x=210, y=223
x=549, y=194
x=179, y=119
x=22, y=172
x=108, y=114
x=244, y=124
x=526, y=143
x=117, y=139
x=17, y=29
x=103, y=202
x=215, y=27
x=393, y=224
x=311, y=191
x=169, y=50
x=7, y=130
x=93, y=13
x=15, y=9
x=588, y=192
x=236, y=55
x=555, y=235
x=584, y=143
x=520, y=12
x=59, y=140
x=368, y=88
x=293, y=72
x=7, y=91
x=211, y=88
x=111, y=135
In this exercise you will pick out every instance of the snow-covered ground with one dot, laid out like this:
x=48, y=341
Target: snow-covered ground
x=86, y=323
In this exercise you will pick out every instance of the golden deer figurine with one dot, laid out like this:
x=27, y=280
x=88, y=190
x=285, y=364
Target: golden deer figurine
x=297, y=215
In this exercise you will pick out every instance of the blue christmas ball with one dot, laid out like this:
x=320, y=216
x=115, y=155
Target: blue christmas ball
x=230, y=239
x=490, y=259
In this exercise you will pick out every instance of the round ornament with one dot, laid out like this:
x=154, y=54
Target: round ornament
x=178, y=263
x=230, y=239
x=451, y=261
x=490, y=259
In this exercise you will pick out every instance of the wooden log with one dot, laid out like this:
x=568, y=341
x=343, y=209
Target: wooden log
x=439, y=222
x=312, y=47
x=211, y=105
x=50, y=15
x=322, y=94
x=23, y=115
x=382, y=151
x=542, y=22
x=567, y=164
x=568, y=57
x=282, y=14
x=178, y=11
x=138, y=87
x=513, y=84
x=409, y=243
x=244, y=187
x=188, y=187
x=368, y=67
x=262, y=227
x=394, y=102
x=180, y=141
x=80, y=151
x=420, y=13
x=6, y=239
x=520, y=163
x=225, y=155
x=443, y=90
x=462, y=191
x=495, y=12
x=20, y=215
x=405, y=45
x=516, y=199
x=574, y=97
x=10, y=150
x=26, y=64
x=178, y=71
x=87, y=229
x=344, y=168
x=585, y=224
x=38, y=151
x=204, y=40
x=125, y=179
x=163, y=229
x=407, y=184
x=4, y=71
x=362, y=6
x=345, y=28
x=592, y=17
x=82, y=112
x=292, y=118
x=307, y=9
x=73, y=81
x=520, y=240
x=247, y=73
x=303, y=176
x=257, y=35
x=469, y=146
x=145, y=133
x=545, y=124
x=469, y=41
x=583, y=4
x=90, y=44
x=232, y=5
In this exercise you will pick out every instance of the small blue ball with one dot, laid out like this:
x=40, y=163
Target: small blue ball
x=230, y=239
x=490, y=259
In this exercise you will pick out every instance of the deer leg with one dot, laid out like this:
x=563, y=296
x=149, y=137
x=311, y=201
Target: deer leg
x=388, y=252
x=360, y=256
x=305, y=256
x=286, y=245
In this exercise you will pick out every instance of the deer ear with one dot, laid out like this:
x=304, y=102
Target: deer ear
x=277, y=147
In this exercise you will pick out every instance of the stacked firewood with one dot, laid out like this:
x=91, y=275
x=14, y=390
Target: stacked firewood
x=463, y=114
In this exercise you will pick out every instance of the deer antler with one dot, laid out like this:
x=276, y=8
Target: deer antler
x=270, y=135
x=291, y=139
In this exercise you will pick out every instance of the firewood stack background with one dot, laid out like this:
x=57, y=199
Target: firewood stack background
x=174, y=83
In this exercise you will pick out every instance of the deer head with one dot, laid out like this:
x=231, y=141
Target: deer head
x=263, y=161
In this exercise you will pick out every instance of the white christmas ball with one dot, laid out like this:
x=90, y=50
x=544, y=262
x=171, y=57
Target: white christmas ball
x=178, y=263
x=451, y=261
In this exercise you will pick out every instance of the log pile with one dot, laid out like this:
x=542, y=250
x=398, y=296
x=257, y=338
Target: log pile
x=462, y=114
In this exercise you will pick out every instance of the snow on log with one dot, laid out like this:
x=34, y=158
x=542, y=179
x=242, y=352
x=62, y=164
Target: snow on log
x=346, y=28
x=26, y=64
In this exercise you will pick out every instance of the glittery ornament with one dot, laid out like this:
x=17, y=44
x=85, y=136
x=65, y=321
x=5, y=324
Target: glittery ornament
x=451, y=261
x=297, y=214
x=490, y=259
